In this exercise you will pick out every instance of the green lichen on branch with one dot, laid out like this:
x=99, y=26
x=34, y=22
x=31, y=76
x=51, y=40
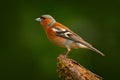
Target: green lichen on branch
x=68, y=69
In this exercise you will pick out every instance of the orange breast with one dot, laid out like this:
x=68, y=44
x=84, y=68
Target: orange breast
x=55, y=39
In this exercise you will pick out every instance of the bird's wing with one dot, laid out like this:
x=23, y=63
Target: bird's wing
x=68, y=34
x=73, y=37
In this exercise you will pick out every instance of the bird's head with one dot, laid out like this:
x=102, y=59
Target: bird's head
x=46, y=20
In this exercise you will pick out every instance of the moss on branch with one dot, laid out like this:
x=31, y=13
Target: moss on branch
x=68, y=69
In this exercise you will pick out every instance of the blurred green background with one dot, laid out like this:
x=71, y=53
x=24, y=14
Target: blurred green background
x=27, y=54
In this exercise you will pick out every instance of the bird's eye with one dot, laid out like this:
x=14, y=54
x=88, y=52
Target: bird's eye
x=42, y=18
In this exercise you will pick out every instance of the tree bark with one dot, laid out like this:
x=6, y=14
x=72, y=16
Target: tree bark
x=68, y=69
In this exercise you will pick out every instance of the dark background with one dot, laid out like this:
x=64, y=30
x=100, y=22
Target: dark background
x=27, y=54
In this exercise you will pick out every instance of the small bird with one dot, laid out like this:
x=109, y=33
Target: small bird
x=62, y=35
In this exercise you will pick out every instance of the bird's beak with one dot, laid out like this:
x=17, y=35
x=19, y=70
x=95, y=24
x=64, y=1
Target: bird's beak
x=38, y=19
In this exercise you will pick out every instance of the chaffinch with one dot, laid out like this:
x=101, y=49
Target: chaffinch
x=62, y=35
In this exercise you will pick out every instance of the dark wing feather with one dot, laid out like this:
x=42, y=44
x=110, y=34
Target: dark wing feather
x=76, y=38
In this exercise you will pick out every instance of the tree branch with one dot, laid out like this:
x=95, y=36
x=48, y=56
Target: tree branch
x=68, y=69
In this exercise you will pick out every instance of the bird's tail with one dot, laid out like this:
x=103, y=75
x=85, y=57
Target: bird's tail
x=89, y=46
x=96, y=50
